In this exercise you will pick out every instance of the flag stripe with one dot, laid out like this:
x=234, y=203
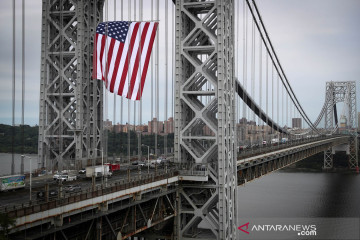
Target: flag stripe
x=142, y=61
x=137, y=62
x=124, y=76
x=102, y=48
x=109, y=56
x=147, y=60
x=120, y=47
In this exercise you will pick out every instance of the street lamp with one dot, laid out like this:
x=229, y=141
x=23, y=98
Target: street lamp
x=148, y=156
x=30, y=172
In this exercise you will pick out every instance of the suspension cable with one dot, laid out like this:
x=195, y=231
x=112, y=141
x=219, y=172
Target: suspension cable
x=23, y=88
x=292, y=94
x=166, y=80
x=13, y=96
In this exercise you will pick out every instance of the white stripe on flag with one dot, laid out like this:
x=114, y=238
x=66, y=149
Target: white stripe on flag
x=122, y=60
x=131, y=63
x=142, y=60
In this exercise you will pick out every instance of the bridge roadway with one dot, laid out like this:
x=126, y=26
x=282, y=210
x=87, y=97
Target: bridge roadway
x=123, y=209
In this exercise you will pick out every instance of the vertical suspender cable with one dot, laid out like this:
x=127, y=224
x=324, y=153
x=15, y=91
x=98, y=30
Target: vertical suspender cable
x=173, y=62
x=237, y=62
x=13, y=96
x=121, y=99
x=282, y=107
x=245, y=59
x=152, y=77
x=139, y=77
x=267, y=84
x=114, y=113
x=260, y=83
x=277, y=99
x=272, y=95
x=23, y=88
x=166, y=79
x=157, y=81
x=105, y=147
x=253, y=67
x=128, y=100
x=287, y=112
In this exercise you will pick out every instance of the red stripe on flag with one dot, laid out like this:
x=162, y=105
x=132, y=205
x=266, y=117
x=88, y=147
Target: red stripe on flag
x=110, y=54
x=137, y=60
x=103, y=39
x=127, y=60
x=146, y=64
x=116, y=66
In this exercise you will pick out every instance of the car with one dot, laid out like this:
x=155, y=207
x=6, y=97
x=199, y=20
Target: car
x=72, y=188
x=58, y=175
x=53, y=193
x=141, y=163
x=66, y=178
x=82, y=171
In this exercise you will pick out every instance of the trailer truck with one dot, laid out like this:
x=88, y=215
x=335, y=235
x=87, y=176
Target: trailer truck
x=98, y=171
x=12, y=182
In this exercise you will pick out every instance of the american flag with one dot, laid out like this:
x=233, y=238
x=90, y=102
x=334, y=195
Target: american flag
x=121, y=56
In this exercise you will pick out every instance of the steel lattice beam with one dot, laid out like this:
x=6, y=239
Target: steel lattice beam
x=204, y=118
x=342, y=92
x=70, y=119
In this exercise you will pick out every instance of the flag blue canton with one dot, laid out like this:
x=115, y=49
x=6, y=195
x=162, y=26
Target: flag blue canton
x=117, y=30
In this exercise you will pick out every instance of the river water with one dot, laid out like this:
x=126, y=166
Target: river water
x=6, y=158
x=301, y=194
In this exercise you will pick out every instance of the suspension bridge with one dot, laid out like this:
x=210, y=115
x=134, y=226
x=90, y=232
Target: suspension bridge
x=232, y=117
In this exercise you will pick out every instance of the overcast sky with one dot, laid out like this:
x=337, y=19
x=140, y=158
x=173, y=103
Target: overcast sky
x=316, y=41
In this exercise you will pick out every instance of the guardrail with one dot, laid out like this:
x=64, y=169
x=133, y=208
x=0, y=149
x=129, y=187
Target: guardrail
x=20, y=210
x=270, y=148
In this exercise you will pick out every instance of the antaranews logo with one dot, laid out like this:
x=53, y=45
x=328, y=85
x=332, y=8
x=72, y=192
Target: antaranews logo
x=300, y=229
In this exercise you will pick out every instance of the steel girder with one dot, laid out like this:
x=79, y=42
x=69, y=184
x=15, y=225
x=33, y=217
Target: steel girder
x=204, y=118
x=342, y=92
x=70, y=118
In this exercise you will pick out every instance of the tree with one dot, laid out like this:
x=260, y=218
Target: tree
x=5, y=223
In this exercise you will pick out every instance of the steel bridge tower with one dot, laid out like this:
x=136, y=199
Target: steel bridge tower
x=205, y=132
x=341, y=92
x=70, y=121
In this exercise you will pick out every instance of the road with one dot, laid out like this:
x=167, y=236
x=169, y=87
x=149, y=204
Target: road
x=22, y=196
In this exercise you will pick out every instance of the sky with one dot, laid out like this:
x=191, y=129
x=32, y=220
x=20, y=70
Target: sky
x=316, y=41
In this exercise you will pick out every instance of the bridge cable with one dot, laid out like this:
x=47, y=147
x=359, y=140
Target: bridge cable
x=253, y=64
x=271, y=55
x=121, y=129
x=245, y=60
x=114, y=107
x=128, y=100
x=23, y=89
x=157, y=79
x=13, y=95
x=267, y=83
x=152, y=78
x=166, y=80
x=302, y=112
x=173, y=63
x=260, y=86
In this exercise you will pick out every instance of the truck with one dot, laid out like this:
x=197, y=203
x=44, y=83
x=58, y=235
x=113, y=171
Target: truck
x=98, y=171
x=113, y=166
x=12, y=182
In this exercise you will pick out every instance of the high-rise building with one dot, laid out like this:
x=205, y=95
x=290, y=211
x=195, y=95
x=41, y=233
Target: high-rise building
x=296, y=123
x=359, y=120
